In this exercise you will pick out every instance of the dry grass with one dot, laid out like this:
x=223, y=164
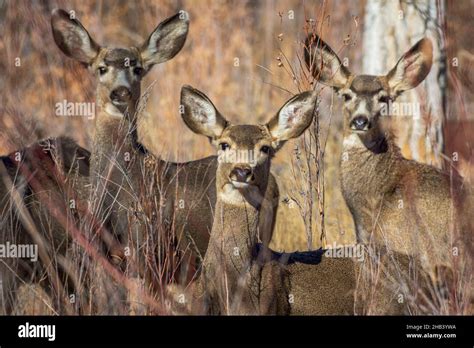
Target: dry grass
x=244, y=55
x=249, y=92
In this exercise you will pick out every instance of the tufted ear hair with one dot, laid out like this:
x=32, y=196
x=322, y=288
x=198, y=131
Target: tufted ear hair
x=72, y=38
x=200, y=114
x=324, y=64
x=293, y=118
x=412, y=68
x=166, y=40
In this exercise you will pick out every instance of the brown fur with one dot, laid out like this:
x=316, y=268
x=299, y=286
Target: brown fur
x=36, y=188
x=136, y=186
x=238, y=277
x=411, y=208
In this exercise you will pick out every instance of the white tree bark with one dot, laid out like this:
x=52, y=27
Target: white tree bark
x=391, y=27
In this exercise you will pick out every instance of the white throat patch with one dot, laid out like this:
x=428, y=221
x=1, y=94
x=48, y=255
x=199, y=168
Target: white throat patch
x=231, y=195
x=352, y=141
x=112, y=110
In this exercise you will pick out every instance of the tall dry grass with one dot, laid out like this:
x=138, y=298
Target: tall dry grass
x=231, y=53
x=244, y=54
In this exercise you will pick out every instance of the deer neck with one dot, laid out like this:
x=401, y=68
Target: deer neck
x=116, y=135
x=233, y=237
x=232, y=247
x=370, y=162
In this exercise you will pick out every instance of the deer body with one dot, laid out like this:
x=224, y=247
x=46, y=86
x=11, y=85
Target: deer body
x=395, y=196
x=128, y=182
x=239, y=278
x=410, y=207
x=41, y=187
x=121, y=167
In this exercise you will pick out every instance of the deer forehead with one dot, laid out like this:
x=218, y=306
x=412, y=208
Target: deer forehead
x=367, y=85
x=246, y=136
x=120, y=58
x=365, y=91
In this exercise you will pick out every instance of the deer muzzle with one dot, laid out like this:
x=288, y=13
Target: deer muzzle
x=360, y=123
x=241, y=176
x=120, y=95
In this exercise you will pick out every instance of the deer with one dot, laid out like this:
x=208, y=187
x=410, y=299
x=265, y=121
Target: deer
x=37, y=186
x=407, y=206
x=119, y=162
x=236, y=277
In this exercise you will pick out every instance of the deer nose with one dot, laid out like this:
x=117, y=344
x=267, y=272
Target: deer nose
x=120, y=94
x=241, y=174
x=360, y=122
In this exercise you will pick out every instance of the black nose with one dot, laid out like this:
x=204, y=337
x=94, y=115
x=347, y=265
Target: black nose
x=120, y=94
x=241, y=174
x=360, y=123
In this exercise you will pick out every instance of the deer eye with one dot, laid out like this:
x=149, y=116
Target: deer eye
x=138, y=70
x=102, y=70
x=265, y=149
x=347, y=97
x=224, y=146
x=384, y=99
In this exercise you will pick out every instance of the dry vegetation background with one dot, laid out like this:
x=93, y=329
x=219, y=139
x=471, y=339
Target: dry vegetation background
x=230, y=54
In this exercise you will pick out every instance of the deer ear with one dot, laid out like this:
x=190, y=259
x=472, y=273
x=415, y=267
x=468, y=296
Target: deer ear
x=166, y=40
x=412, y=68
x=72, y=38
x=293, y=118
x=200, y=115
x=323, y=63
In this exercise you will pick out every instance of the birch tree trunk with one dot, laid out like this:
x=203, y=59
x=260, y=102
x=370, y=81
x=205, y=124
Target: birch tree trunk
x=391, y=27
